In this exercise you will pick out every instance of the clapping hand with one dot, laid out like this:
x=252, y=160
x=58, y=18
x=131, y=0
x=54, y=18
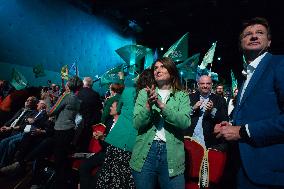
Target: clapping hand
x=153, y=98
x=209, y=105
x=197, y=105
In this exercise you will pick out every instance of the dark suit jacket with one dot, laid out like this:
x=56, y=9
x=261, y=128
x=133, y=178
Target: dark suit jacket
x=42, y=122
x=22, y=121
x=91, y=105
x=262, y=108
x=209, y=121
x=90, y=109
x=30, y=141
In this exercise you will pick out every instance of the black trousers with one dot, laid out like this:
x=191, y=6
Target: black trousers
x=87, y=180
x=62, y=148
x=42, y=150
x=27, y=145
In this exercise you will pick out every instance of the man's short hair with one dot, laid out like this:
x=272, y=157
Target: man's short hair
x=88, y=81
x=254, y=21
x=219, y=85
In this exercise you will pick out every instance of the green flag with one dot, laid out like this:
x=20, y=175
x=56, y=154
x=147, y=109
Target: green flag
x=18, y=80
x=38, y=70
x=189, y=67
x=245, y=64
x=130, y=70
x=179, y=50
x=213, y=75
x=208, y=57
x=234, y=81
x=149, y=58
x=111, y=76
x=131, y=53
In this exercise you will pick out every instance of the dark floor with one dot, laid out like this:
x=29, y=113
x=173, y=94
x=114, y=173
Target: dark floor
x=21, y=181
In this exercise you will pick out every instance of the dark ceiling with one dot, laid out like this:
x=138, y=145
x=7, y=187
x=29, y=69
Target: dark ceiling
x=163, y=22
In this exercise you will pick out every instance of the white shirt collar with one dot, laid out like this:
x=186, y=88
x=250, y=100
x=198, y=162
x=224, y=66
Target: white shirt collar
x=256, y=61
x=253, y=65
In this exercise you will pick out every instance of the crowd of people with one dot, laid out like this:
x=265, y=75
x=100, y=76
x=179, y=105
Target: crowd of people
x=154, y=134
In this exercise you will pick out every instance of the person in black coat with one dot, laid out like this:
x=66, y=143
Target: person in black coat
x=91, y=106
x=208, y=109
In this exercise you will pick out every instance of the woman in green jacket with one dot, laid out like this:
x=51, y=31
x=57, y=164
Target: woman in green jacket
x=160, y=115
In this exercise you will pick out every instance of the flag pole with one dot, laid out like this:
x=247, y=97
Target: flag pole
x=181, y=73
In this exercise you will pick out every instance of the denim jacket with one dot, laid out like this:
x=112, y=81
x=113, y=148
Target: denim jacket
x=177, y=118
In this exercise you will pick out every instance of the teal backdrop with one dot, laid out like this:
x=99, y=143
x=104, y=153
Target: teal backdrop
x=56, y=33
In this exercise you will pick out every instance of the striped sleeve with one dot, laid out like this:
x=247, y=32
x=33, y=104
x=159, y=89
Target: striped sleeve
x=58, y=105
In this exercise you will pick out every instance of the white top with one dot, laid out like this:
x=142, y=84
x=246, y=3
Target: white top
x=198, y=130
x=160, y=134
x=113, y=124
x=250, y=70
x=230, y=106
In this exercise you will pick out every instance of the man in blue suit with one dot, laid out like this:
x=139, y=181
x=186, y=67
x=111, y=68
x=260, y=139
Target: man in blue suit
x=259, y=115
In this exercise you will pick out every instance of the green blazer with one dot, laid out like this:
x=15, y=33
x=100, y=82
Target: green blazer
x=123, y=133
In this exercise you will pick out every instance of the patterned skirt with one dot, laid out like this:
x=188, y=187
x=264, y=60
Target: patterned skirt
x=116, y=172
